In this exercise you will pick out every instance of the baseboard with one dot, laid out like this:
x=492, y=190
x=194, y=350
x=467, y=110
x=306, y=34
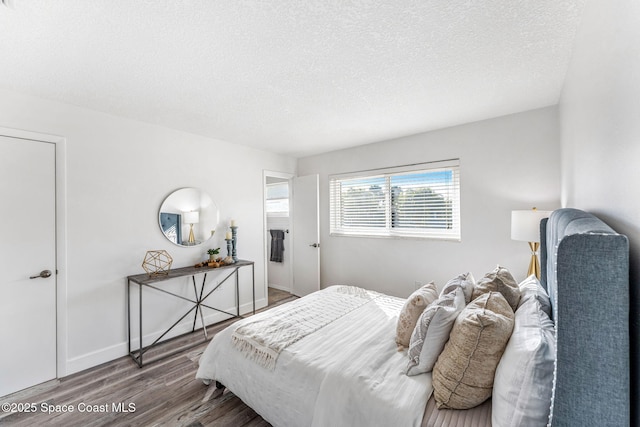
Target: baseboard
x=107, y=354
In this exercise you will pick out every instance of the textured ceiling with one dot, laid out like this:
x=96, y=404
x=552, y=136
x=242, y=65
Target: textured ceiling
x=289, y=76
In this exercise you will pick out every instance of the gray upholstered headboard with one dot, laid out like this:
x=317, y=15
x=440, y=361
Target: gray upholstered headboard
x=585, y=269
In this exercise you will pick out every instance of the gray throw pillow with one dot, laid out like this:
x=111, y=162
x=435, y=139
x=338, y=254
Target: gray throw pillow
x=432, y=331
x=466, y=281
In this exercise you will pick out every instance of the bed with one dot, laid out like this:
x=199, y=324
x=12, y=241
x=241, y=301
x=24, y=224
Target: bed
x=331, y=358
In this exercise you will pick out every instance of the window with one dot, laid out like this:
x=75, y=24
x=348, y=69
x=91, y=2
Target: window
x=277, y=200
x=420, y=201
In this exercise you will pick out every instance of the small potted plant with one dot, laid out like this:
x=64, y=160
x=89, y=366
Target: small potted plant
x=213, y=253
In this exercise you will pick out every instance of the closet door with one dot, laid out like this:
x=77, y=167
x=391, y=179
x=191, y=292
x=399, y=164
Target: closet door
x=306, y=235
x=28, y=254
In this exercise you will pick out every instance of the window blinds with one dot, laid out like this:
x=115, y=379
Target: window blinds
x=412, y=201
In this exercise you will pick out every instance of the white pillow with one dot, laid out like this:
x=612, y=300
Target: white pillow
x=531, y=288
x=466, y=281
x=432, y=331
x=524, y=378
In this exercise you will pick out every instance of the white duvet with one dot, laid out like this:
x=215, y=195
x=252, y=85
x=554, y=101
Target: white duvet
x=348, y=373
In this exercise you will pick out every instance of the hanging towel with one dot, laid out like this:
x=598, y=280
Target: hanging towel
x=277, y=245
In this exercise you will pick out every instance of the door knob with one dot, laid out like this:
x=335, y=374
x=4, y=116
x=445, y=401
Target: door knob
x=44, y=274
x=315, y=245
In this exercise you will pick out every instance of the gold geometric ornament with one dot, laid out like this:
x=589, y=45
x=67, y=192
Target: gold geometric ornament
x=157, y=262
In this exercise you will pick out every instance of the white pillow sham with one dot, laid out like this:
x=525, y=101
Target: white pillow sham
x=531, y=288
x=524, y=377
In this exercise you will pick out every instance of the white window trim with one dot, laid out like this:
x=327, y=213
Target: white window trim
x=453, y=234
x=268, y=199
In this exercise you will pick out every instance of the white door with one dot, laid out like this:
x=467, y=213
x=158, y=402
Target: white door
x=306, y=236
x=27, y=248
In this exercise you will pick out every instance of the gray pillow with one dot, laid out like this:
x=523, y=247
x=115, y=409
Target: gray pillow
x=432, y=331
x=465, y=281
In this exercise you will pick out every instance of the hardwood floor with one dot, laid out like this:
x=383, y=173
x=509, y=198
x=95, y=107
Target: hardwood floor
x=118, y=393
x=276, y=295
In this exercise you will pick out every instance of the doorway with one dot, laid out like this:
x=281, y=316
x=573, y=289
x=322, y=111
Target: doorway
x=278, y=231
x=299, y=273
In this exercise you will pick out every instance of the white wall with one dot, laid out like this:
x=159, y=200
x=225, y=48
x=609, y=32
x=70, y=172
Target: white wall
x=600, y=125
x=506, y=163
x=118, y=172
x=599, y=110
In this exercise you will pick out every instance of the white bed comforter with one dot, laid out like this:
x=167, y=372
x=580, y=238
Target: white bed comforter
x=348, y=373
x=262, y=338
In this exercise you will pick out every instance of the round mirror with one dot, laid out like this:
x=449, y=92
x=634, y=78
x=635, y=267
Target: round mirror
x=188, y=217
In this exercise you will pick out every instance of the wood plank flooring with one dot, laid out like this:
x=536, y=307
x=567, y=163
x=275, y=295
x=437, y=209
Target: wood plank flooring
x=118, y=393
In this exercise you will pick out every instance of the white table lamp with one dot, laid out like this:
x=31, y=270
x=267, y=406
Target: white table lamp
x=191, y=217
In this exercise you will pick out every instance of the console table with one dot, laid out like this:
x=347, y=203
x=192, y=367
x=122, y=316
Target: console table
x=153, y=281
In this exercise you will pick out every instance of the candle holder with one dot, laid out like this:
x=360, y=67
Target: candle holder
x=234, y=241
x=228, y=247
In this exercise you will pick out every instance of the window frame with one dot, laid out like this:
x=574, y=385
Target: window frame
x=336, y=215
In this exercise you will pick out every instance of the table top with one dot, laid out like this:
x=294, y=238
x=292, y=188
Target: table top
x=144, y=278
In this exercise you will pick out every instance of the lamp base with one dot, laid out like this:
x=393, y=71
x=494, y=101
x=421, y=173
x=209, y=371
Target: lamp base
x=534, y=264
x=192, y=238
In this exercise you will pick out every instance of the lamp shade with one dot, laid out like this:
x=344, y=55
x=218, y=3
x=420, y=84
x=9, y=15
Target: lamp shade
x=525, y=224
x=192, y=217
